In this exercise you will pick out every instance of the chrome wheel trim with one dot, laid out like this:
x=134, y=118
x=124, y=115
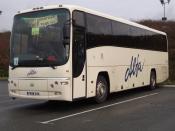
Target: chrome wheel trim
x=101, y=90
x=153, y=81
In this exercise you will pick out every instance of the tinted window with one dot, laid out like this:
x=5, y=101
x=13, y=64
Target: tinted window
x=133, y=37
x=98, y=25
x=78, y=18
x=78, y=51
x=121, y=34
x=105, y=32
x=78, y=43
x=98, y=31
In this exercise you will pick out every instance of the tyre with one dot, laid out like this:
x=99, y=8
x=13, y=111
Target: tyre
x=153, y=82
x=101, y=89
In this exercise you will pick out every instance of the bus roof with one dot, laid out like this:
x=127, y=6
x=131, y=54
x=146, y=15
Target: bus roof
x=75, y=7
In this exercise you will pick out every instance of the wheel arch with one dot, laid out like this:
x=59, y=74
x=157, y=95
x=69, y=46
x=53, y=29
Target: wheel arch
x=154, y=70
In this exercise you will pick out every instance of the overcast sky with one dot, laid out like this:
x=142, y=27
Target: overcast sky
x=128, y=9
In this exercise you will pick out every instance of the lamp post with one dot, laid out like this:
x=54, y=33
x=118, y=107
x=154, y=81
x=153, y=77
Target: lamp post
x=164, y=2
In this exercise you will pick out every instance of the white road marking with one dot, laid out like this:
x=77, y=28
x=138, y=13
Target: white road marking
x=95, y=109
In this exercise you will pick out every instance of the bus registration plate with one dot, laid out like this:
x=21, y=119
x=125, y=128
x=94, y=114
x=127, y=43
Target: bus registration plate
x=31, y=93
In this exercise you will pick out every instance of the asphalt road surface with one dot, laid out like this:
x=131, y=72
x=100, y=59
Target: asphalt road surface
x=134, y=110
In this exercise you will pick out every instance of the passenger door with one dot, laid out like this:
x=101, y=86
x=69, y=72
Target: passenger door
x=79, y=63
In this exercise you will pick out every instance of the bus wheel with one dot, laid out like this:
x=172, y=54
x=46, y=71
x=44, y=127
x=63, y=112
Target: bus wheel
x=152, y=80
x=101, y=89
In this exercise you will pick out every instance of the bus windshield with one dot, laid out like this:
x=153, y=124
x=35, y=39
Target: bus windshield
x=40, y=38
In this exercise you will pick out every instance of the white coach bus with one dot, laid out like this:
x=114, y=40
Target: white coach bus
x=65, y=52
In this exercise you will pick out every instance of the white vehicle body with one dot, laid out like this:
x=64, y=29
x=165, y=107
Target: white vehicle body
x=124, y=67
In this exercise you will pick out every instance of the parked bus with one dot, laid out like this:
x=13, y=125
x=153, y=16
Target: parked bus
x=66, y=52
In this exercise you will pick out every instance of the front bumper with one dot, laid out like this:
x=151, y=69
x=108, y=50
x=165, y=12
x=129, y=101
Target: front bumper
x=42, y=89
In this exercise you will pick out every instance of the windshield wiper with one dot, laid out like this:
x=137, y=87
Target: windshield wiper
x=52, y=66
x=39, y=59
x=13, y=67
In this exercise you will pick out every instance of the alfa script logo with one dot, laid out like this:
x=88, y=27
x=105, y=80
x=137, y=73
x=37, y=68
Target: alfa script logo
x=136, y=66
x=31, y=72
